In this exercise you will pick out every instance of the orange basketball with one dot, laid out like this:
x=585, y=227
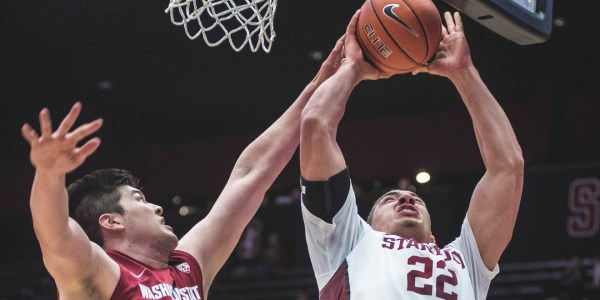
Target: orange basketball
x=399, y=35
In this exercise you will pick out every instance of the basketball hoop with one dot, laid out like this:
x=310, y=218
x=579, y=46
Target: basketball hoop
x=240, y=22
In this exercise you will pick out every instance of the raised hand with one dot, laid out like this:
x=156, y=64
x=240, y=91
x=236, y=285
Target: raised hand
x=453, y=52
x=332, y=63
x=57, y=152
x=353, y=53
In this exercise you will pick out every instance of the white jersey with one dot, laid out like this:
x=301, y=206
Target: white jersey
x=353, y=261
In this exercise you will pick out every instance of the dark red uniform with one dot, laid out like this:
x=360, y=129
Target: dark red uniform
x=182, y=280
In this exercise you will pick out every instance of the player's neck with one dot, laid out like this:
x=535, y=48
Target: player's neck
x=150, y=260
x=154, y=258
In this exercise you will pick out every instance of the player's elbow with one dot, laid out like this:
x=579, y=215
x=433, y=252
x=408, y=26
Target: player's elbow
x=314, y=126
x=512, y=173
x=511, y=165
x=513, y=176
x=516, y=164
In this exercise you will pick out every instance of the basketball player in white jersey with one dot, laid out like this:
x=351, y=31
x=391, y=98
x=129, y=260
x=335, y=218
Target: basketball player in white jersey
x=394, y=255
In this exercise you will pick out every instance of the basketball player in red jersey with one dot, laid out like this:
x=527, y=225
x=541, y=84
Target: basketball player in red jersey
x=118, y=246
x=394, y=254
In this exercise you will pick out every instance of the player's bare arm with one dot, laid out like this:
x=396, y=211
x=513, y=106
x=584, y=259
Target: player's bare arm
x=495, y=201
x=82, y=270
x=320, y=155
x=253, y=174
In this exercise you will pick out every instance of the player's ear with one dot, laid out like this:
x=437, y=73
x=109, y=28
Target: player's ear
x=111, y=221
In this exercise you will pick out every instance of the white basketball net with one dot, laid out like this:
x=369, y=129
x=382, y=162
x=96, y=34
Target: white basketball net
x=240, y=22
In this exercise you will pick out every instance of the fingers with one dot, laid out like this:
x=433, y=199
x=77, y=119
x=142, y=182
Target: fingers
x=337, y=49
x=335, y=57
x=46, y=126
x=449, y=22
x=351, y=29
x=87, y=149
x=69, y=120
x=458, y=21
x=444, y=32
x=29, y=134
x=340, y=43
x=421, y=69
x=85, y=130
x=384, y=75
x=45, y=123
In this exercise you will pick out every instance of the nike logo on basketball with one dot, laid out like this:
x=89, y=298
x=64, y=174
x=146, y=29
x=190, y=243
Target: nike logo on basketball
x=138, y=276
x=388, y=10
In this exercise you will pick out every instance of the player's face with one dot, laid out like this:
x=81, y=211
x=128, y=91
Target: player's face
x=403, y=213
x=143, y=221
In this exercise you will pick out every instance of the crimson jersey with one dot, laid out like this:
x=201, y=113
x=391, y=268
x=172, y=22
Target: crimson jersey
x=182, y=280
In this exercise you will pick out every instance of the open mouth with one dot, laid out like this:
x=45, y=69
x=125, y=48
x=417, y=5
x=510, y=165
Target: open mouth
x=408, y=210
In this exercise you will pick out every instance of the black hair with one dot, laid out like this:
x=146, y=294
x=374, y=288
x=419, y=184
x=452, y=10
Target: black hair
x=96, y=194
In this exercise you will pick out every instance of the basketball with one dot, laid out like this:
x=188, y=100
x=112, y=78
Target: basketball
x=399, y=35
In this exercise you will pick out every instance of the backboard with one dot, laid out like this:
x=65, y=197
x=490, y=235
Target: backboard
x=524, y=22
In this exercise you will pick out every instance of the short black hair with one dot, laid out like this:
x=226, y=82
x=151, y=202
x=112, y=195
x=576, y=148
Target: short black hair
x=96, y=194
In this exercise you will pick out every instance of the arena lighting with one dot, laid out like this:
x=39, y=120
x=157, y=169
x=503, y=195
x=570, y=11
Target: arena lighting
x=184, y=211
x=316, y=55
x=105, y=85
x=176, y=200
x=188, y=210
x=423, y=177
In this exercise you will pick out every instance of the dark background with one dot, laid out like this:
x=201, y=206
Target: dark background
x=170, y=90
x=178, y=113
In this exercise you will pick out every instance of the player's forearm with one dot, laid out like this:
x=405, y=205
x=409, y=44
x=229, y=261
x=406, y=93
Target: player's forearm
x=49, y=208
x=328, y=104
x=266, y=156
x=497, y=142
x=254, y=172
x=495, y=201
x=320, y=155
